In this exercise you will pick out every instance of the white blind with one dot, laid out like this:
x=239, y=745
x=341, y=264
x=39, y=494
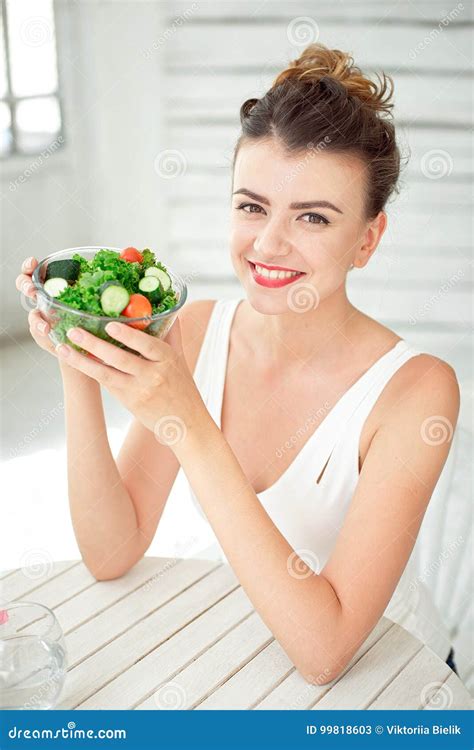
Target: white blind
x=223, y=53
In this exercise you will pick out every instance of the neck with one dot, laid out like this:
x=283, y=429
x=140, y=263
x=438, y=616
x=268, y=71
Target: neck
x=292, y=338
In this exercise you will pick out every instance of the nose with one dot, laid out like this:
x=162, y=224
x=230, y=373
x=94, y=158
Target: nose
x=271, y=241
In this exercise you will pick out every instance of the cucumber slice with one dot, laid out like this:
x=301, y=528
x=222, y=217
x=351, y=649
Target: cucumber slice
x=148, y=284
x=65, y=269
x=114, y=298
x=162, y=277
x=107, y=284
x=55, y=286
x=151, y=288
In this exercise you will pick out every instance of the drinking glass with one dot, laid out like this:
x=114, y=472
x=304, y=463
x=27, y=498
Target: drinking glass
x=33, y=658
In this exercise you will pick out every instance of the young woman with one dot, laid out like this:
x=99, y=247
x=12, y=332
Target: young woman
x=303, y=426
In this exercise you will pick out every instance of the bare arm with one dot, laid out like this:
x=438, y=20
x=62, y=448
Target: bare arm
x=116, y=504
x=321, y=619
x=102, y=511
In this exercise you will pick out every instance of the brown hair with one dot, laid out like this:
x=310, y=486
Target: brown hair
x=323, y=98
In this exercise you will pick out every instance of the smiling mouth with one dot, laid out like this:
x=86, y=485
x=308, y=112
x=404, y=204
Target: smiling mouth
x=273, y=278
x=274, y=272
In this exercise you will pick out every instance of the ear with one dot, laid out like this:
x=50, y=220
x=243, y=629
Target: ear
x=173, y=337
x=372, y=238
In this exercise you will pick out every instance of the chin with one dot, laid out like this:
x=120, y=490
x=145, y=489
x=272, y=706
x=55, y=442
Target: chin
x=267, y=302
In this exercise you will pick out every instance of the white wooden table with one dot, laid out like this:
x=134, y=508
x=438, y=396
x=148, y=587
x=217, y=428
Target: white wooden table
x=182, y=633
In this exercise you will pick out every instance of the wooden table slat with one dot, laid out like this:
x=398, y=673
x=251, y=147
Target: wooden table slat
x=5, y=573
x=404, y=691
x=108, y=663
x=105, y=594
x=257, y=678
x=62, y=588
x=232, y=652
x=376, y=669
x=23, y=583
x=135, y=606
x=141, y=680
x=296, y=693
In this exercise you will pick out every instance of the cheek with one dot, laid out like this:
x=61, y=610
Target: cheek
x=241, y=232
x=241, y=240
x=329, y=251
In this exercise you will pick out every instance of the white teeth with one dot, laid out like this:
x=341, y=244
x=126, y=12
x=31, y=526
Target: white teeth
x=275, y=274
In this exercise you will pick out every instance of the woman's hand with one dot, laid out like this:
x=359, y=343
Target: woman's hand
x=158, y=387
x=39, y=327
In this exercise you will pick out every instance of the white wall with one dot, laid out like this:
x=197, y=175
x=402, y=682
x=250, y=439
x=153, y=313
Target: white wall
x=101, y=187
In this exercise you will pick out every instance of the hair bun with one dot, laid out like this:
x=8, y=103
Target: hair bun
x=318, y=61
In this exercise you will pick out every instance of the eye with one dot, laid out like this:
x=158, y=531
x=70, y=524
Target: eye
x=249, y=205
x=318, y=219
x=322, y=219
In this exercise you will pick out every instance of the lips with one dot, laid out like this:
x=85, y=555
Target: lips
x=272, y=283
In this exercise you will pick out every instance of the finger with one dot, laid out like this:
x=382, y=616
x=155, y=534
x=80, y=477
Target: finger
x=44, y=342
x=42, y=339
x=148, y=346
x=24, y=285
x=104, y=374
x=108, y=353
x=29, y=265
x=38, y=323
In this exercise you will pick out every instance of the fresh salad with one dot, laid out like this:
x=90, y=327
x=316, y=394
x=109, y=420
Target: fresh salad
x=131, y=283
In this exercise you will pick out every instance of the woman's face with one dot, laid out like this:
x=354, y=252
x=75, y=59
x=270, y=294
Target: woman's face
x=319, y=241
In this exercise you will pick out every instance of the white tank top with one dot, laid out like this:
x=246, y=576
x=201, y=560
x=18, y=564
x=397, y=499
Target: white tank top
x=309, y=515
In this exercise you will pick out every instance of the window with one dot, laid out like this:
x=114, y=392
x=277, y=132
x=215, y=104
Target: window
x=30, y=110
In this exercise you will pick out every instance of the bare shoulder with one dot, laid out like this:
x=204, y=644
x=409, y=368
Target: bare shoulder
x=193, y=318
x=424, y=387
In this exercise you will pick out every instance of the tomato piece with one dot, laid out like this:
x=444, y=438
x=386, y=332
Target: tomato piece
x=138, y=307
x=131, y=255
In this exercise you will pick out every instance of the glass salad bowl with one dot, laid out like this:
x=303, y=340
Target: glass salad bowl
x=61, y=317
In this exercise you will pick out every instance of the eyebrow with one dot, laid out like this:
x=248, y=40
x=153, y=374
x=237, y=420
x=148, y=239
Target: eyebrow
x=305, y=204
